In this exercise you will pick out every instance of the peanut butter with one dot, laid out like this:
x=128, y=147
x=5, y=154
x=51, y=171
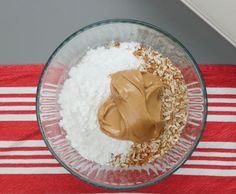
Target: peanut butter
x=133, y=110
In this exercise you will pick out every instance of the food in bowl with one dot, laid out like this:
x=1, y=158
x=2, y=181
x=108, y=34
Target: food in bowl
x=85, y=161
x=123, y=104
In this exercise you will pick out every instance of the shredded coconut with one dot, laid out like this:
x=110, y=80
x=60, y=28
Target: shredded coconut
x=82, y=94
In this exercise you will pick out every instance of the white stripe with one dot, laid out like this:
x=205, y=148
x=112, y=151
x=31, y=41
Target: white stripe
x=53, y=161
x=211, y=162
x=18, y=99
x=32, y=117
x=61, y=170
x=222, y=108
x=45, y=152
x=40, y=143
x=26, y=143
x=18, y=117
x=215, y=154
x=17, y=107
x=210, y=108
x=18, y=90
x=224, y=100
x=205, y=172
x=216, y=144
x=221, y=90
x=33, y=170
x=32, y=90
x=24, y=153
x=28, y=161
x=221, y=118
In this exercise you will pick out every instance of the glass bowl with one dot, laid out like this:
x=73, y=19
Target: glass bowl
x=55, y=72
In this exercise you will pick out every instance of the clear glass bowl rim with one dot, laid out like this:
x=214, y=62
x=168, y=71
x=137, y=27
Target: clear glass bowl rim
x=156, y=28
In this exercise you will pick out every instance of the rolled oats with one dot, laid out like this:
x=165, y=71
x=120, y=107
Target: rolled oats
x=174, y=109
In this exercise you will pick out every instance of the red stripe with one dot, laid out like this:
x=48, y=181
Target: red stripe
x=221, y=113
x=215, y=150
x=221, y=95
x=221, y=104
x=212, y=158
x=18, y=130
x=208, y=166
x=17, y=103
x=20, y=75
x=214, y=131
x=45, y=183
x=30, y=165
x=27, y=157
x=67, y=183
x=17, y=95
x=218, y=131
x=219, y=75
x=2, y=112
x=24, y=149
x=27, y=75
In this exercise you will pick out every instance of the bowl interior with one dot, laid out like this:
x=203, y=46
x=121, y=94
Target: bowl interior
x=56, y=72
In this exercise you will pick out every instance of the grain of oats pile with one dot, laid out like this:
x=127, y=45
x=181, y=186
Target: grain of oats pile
x=174, y=109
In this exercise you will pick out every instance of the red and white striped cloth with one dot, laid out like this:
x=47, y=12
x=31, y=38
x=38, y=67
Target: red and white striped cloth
x=26, y=165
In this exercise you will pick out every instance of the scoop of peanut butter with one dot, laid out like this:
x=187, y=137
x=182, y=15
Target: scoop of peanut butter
x=133, y=110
